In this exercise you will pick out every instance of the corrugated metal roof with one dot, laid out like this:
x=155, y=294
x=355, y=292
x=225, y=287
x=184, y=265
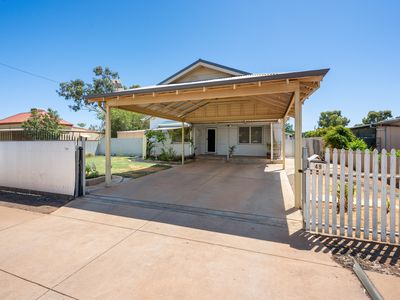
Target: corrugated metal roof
x=214, y=82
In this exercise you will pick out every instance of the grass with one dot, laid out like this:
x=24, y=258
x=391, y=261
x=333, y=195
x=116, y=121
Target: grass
x=125, y=166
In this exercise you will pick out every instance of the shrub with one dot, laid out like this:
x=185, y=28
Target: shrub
x=232, y=150
x=339, y=137
x=168, y=154
x=346, y=197
x=153, y=137
x=91, y=171
x=319, y=132
x=357, y=144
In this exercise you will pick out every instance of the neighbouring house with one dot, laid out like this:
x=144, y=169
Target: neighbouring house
x=380, y=135
x=11, y=127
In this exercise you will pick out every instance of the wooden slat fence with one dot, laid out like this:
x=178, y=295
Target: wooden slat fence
x=354, y=195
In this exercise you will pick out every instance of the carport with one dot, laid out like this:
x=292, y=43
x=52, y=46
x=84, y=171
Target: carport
x=238, y=98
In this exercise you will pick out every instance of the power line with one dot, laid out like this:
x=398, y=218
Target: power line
x=29, y=73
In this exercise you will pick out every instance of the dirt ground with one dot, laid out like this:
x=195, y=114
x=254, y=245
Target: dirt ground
x=32, y=201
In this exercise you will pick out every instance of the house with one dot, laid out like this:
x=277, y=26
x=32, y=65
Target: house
x=226, y=107
x=11, y=127
x=248, y=138
x=380, y=135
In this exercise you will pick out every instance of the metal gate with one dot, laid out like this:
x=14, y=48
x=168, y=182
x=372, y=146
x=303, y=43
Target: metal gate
x=353, y=194
x=80, y=181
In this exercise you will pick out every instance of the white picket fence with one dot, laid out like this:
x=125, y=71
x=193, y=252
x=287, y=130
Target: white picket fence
x=344, y=200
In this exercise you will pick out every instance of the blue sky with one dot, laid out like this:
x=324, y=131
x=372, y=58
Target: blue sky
x=149, y=40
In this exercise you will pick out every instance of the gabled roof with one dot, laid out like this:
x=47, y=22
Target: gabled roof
x=22, y=117
x=203, y=63
x=209, y=83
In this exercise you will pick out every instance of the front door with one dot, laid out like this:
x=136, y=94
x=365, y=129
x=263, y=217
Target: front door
x=211, y=140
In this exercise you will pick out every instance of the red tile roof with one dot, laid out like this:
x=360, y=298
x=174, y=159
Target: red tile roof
x=22, y=117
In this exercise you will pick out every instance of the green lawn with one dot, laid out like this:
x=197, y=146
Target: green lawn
x=125, y=166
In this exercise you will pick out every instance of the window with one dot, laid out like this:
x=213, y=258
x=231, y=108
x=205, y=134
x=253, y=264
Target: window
x=176, y=135
x=250, y=135
x=256, y=135
x=244, y=135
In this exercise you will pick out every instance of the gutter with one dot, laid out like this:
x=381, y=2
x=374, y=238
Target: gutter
x=366, y=282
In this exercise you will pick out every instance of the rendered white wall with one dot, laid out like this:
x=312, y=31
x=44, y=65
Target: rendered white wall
x=222, y=140
x=91, y=147
x=47, y=166
x=122, y=147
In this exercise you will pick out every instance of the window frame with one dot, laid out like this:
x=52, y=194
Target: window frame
x=250, y=134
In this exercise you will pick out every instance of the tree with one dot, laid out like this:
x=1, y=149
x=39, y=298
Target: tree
x=83, y=125
x=377, y=116
x=122, y=120
x=76, y=90
x=43, y=125
x=339, y=137
x=319, y=132
x=289, y=128
x=331, y=119
x=154, y=137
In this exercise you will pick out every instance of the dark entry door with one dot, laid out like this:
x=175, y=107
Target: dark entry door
x=210, y=140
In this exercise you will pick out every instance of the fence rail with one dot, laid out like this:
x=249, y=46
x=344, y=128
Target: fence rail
x=21, y=135
x=342, y=200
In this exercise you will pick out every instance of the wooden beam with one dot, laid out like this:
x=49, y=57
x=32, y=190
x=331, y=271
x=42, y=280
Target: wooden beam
x=193, y=109
x=183, y=142
x=108, y=146
x=283, y=144
x=240, y=91
x=238, y=118
x=298, y=147
x=150, y=112
x=289, y=107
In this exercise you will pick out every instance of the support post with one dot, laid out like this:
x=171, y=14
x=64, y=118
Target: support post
x=108, y=145
x=194, y=140
x=272, y=141
x=298, y=146
x=283, y=144
x=183, y=143
x=304, y=166
x=144, y=146
x=228, y=142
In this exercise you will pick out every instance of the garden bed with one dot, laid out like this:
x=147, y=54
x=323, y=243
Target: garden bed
x=128, y=167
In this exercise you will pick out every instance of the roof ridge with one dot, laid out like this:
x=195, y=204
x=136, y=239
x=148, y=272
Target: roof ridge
x=200, y=60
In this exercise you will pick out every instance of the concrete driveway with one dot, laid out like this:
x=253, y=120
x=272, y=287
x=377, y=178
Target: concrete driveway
x=180, y=233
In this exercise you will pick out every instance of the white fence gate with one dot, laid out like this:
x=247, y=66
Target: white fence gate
x=353, y=194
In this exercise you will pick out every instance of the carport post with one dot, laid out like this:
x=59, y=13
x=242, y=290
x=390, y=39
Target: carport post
x=272, y=141
x=183, y=143
x=108, y=145
x=283, y=142
x=298, y=146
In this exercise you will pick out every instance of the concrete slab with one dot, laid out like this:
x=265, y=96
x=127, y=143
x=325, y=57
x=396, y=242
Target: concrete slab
x=48, y=249
x=387, y=285
x=11, y=216
x=173, y=268
x=278, y=239
x=240, y=187
x=12, y=287
x=51, y=295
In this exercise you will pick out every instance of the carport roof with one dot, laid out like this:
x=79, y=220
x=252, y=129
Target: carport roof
x=239, y=98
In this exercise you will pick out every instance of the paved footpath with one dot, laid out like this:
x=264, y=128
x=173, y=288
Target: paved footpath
x=97, y=248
